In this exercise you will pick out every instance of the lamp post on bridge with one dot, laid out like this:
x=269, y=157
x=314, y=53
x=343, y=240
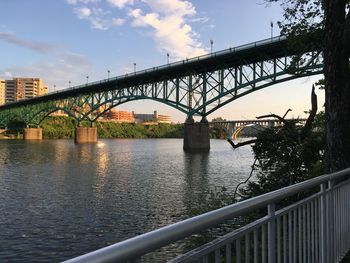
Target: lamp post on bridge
x=168, y=56
x=211, y=46
x=69, y=82
x=108, y=71
x=271, y=24
x=54, y=88
x=87, y=80
x=134, y=67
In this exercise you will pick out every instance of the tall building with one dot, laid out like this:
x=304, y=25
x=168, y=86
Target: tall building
x=155, y=117
x=24, y=88
x=2, y=91
x=120, y=116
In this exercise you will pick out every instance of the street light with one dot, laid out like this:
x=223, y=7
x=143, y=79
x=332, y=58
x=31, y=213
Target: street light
x=211, y=45
x=108, y=71
x=87, y=80
x=168, y=55
x=69, y=82
x=54, y=88
x=271, y=24
x=134, y=67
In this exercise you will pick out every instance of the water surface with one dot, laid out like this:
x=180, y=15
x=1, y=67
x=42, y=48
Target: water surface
x=59, y=200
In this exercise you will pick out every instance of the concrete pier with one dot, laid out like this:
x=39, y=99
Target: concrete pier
x=196, y=137
x=85, y=135
x=32, y=134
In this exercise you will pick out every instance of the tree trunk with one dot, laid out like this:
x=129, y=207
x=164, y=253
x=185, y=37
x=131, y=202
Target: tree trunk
x=336, y=60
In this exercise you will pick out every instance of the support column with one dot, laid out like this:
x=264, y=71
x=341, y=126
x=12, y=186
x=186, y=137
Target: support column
x=196, y=136
x=32, y=134
x=85, y=135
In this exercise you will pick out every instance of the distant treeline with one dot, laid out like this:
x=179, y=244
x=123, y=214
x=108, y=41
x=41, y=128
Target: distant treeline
x=63, y=128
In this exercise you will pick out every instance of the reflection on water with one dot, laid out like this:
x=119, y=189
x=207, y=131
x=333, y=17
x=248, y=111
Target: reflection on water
x=60, y=200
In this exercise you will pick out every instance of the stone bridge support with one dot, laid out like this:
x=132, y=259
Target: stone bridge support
x=85, y=135
x=196, y=135
x=32, y=134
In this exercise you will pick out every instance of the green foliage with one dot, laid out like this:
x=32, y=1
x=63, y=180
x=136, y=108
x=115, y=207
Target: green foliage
x=217, y=131
x=63, y=127
x=284, y=159
x=59, y=127
x=301, y=16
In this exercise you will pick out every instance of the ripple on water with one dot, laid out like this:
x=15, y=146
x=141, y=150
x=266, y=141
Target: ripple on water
x=60, y=200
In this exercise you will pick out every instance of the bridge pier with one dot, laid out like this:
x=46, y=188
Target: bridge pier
x=32, y=134
x=85, y=135
x=196, y=136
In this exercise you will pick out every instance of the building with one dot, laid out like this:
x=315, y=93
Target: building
x=120, y=116
x=2, y=91
x=162, y=118
x=155, y=117
x=24, y=88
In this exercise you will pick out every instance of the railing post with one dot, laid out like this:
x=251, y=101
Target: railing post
x=271, y=233
x=330, y=215
x=323, y=228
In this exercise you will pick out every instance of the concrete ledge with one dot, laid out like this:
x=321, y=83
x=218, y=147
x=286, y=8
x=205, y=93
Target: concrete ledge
x=196, y=137
x=32, y=134
x=85, y=135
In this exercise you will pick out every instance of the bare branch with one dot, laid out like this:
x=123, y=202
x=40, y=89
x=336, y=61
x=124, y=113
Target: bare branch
x=308, y=125
x=240, y=144
x=244, y=182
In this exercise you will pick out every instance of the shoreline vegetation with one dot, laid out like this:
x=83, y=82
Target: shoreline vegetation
x=61, y=127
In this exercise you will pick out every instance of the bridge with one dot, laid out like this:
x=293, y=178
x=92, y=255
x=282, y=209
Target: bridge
x=197, y=87
x=234, y=127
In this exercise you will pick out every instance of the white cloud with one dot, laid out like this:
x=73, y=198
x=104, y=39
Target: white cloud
x=82, y=12
x=118, y=21
x=178, y=7
x=120, y=3
x=97, y=16
x=171, y=32
x=74, y=2
x=169, y=20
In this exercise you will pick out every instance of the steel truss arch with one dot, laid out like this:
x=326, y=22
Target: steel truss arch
x=198, y=86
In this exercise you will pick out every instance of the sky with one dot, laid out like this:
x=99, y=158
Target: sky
x=64, y=41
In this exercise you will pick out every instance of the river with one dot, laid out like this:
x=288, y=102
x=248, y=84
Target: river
x=59, y=200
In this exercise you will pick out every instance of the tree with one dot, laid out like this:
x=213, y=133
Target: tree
x=331, y=20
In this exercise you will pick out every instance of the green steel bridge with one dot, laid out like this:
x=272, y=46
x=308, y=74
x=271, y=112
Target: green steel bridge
x=196, y=86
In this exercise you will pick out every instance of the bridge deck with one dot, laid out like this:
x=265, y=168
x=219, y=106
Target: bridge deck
x=249, y=53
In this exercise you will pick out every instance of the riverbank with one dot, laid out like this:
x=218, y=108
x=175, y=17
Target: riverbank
x=63, y=127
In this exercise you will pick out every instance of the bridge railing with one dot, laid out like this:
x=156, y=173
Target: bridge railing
x=181, y=62
x=314, y=229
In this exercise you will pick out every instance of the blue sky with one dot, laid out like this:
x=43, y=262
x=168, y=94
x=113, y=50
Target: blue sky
x=67, y=40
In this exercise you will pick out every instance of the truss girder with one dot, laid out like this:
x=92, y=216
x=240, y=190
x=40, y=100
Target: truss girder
x=194, y=92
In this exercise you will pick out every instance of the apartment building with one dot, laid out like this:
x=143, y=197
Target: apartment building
x=24, y=88
x=155, y=117
x=120, y=116
x=2, y=91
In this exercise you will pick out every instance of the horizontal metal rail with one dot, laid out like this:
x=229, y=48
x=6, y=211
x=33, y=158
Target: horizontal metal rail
x=315, y=229
x=170, y=67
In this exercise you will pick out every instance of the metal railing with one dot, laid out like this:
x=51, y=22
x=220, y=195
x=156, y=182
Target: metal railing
x=314, y=229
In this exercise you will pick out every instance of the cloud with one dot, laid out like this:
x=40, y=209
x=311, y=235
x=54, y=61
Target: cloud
x=74, y=2
x=171, y=31
x=169, y=20
x=97, y=17
x=82, y=12
x=64, y=67
x=118, y=21
x=61, y=65
x=39, y=47
x=120, y=3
